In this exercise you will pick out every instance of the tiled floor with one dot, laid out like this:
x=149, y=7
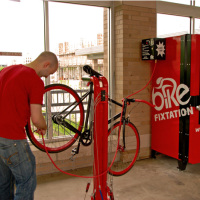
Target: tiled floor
x=150, y=179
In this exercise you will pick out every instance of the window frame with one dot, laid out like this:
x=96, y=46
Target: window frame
x=182, y=10
x=163, y=7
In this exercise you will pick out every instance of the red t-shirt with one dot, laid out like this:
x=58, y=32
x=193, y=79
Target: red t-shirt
x=20, y=86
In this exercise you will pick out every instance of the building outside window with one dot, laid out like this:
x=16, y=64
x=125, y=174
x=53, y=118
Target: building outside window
x=76, y=35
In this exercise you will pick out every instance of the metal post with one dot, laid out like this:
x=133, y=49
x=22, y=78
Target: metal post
x=100, y=137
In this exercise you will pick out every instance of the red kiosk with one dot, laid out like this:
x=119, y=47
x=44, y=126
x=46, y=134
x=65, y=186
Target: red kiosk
x=176, y=95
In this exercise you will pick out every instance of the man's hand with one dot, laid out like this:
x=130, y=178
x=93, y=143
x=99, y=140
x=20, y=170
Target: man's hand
x=40, y=131
x=37, y=117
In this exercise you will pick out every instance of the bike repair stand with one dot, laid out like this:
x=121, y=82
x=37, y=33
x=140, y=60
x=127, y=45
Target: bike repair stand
x=100, y=130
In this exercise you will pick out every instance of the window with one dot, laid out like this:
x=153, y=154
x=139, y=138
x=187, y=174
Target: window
x=21, y=31
x=185, y=2
x=76, y=36
x=197, y=3
x=197, y=26
x=170, y=25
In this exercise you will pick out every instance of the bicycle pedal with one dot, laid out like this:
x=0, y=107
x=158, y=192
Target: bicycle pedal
x=74, y=151
x=72, y=158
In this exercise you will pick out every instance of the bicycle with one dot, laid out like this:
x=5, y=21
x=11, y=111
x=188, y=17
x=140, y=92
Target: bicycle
x=66, y=125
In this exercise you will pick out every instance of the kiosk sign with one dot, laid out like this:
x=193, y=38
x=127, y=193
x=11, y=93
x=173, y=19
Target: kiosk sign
x=167, y=96
x=153, y=49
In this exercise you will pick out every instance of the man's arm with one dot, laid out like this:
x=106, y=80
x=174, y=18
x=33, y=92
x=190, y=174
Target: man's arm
x=37, y=117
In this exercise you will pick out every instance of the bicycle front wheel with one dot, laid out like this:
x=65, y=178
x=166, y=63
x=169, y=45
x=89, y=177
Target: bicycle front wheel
x=128, y=148
x=58, y=98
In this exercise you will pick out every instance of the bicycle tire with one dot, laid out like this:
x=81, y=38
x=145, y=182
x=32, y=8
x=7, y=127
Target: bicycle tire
x=125, y=159
x=61, y=139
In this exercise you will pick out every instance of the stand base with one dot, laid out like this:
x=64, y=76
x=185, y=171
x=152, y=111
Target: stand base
x=182, y=165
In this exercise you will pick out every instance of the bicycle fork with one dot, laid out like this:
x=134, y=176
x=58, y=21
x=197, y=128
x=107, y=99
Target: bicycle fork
x=124, y=123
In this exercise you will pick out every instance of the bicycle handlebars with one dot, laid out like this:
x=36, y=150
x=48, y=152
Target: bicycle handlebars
x=90, y=71
x=142, y=101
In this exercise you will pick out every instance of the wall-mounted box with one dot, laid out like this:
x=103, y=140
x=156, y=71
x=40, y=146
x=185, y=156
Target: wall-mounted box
x=153, y=49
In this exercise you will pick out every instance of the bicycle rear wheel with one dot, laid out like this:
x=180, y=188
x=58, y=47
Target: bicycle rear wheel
x=126, y=156
x=58, y=138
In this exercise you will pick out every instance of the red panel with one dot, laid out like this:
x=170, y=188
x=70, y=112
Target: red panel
x=194, y=134
x=100, y=134
x=165, y=116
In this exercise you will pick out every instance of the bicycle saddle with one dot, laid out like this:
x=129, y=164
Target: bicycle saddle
x=90, y=71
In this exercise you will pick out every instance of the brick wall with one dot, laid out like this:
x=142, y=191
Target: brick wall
x=62, y=160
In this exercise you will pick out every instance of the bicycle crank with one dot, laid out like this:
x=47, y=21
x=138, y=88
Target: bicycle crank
x=86, y=138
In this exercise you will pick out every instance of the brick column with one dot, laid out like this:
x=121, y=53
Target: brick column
x=134, y=21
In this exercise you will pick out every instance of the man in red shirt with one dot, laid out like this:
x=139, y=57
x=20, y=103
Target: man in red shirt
x=21, y=96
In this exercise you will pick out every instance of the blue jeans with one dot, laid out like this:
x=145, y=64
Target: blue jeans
x=17, y=166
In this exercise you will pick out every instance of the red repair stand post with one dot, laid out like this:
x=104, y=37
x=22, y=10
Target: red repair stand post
x=100, y=133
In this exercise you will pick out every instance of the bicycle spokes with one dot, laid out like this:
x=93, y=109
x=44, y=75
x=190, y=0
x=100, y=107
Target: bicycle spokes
x=126, y=155
x=61, y=132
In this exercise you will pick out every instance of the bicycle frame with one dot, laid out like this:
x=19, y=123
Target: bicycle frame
x=88, y=93
x=69, y=126
x=85, y=134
